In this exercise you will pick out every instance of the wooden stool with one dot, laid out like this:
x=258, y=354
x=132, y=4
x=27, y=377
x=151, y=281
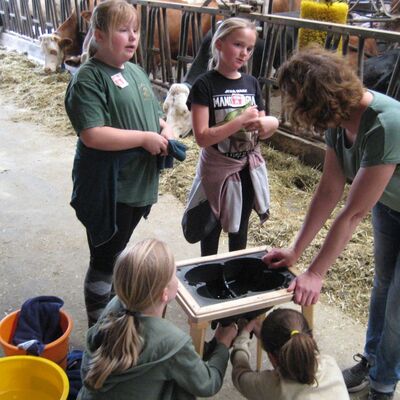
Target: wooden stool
x=200, y=317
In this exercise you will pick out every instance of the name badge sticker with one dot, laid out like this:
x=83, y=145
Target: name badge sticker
x=119, y=80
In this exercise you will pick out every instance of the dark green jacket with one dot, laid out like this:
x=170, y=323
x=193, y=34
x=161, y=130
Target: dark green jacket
x=168, y=367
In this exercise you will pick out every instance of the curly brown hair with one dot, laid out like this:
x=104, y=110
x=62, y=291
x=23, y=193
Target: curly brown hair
x=319, y=89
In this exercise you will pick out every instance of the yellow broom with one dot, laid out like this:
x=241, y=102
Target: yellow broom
x=320, y=11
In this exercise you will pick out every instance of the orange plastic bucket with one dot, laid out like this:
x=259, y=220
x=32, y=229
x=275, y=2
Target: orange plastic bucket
x=55, y=351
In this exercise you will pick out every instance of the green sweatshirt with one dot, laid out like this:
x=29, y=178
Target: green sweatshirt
x=168, y=366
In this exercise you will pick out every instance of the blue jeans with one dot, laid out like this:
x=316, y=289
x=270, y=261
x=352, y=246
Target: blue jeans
x=382, y=346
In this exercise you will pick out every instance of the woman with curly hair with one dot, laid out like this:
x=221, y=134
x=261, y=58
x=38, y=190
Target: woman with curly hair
x=321, y=92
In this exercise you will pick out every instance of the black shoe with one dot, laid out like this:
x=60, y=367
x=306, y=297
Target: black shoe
x=374, y=395
x=356, y=378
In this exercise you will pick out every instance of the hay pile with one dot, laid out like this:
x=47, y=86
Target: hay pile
x=42, y=95
x=292, y=185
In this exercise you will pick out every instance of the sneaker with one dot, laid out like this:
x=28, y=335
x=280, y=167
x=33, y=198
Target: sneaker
x=356, y=378
x=374, y=395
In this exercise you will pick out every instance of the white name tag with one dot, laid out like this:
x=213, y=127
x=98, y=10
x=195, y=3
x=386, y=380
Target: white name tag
x=119, y=80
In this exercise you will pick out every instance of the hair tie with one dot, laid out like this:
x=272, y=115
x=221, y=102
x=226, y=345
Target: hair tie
x=294, y=332
x=131, y=312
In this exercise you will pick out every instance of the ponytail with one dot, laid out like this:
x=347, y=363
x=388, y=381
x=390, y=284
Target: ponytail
x=119, y=350
x=297, y=359
x=141, y=274
x=286, y=335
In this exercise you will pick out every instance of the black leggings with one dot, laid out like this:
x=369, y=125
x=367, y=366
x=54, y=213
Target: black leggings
x=98, y=280
x=103, y=257
x=238, y=240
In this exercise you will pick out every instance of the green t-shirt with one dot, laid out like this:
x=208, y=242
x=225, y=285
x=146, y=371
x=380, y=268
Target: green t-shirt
x=101, y=95
x=377, y=142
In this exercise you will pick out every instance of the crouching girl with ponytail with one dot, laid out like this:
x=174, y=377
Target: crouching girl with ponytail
x=300, y=371
x=132, y=352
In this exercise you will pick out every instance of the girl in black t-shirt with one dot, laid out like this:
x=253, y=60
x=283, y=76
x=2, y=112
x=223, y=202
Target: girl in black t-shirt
x=228, y=121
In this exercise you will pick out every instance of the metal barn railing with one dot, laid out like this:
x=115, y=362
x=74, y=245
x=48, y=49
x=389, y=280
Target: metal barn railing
x=31, y=18
x=168, y=61
x=280, y=39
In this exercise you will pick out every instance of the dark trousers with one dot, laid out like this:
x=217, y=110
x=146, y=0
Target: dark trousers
x=238, y=240
x=98, y=280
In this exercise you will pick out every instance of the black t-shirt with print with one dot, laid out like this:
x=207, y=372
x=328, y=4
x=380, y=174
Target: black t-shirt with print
x=224, y=96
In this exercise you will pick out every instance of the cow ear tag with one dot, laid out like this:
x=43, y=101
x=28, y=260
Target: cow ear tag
x=119, y=80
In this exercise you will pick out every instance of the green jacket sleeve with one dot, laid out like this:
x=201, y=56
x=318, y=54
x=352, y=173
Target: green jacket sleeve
x=252, y=385
x=196, y=376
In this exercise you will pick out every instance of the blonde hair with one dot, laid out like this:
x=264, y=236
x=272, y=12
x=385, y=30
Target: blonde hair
x=286, y=335
x=110, y=14
x=141, y=274
x=319, y=89
x=225, y=28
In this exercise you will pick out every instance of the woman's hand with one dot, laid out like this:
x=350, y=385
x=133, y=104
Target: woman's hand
x=307, y=288
x=226, y=334
x=278, y=258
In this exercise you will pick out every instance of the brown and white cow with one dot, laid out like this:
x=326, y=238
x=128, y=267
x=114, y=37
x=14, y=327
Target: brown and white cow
x=64, y=43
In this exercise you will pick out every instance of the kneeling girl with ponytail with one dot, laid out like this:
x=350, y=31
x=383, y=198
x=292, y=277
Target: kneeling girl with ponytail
x=134, y=353
x=300, y=371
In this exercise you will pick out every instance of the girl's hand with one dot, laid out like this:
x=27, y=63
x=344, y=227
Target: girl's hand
x=278, y=258
x=248, y=116
x=307, y=288
x=267, y=126
x=155, y=144
x=226, y=334
x=253, y=326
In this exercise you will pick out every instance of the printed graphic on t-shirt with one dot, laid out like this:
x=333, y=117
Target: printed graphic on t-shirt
x=145, y=91
x=228, y=106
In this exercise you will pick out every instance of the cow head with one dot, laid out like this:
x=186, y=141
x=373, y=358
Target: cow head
x=175, y=108
x=52, y=47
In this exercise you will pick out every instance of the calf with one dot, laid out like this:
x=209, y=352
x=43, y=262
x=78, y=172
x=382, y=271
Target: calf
x=52, y=47
x=176, y=111
x=62, y=44
x=378, y=70
x=370, y=50
x=65, y=44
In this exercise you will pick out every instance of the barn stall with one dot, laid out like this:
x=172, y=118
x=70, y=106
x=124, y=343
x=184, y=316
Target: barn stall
x=292, y=183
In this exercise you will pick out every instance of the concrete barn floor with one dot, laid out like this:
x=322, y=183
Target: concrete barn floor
x=43, y=248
